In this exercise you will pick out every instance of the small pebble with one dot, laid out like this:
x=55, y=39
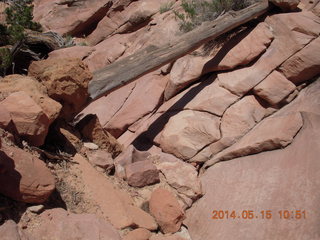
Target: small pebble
x=91, y=146
x=36, y=209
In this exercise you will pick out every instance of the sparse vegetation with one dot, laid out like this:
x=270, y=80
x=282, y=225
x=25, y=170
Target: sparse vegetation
x=197, y=12
x=5, y=60
x=18, y=19
x=166, y=7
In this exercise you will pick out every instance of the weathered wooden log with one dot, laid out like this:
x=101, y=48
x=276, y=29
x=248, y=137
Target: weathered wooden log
x=152, y=57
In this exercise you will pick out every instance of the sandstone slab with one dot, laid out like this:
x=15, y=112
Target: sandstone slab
x=269, y=180
x=274, y=88
x=80, y=52
x=286, y=43
x=72, y=18
x=116, y=205
x=107, y=106
x=188, y=132
x=242, y=49
x=242, y=116
x=304, y=65
x=272, y=133
x=145, y=97
x=205, y=96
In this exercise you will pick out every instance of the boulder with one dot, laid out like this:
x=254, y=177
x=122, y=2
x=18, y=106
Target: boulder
x=242, y=116
x=267, y=181
x=66, y=80
x=142, y=173
x=30, y=121
x=188, y=132
x=59, y=224
x=166, y=209
x=114, y=204
x=274, y=88
x=138, y=234
x=26, y=177
x=36, y=90
x=10, y=231
x=304, y=65
x=286, y=5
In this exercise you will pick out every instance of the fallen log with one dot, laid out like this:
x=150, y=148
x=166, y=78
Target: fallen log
x=152, y=57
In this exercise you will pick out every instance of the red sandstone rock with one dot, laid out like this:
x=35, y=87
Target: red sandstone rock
x=190, y=68
x=272, y=133
x=166, y=210
x=287, y=42
x=59, y=224
x=172, y=237
x=145, y=97
x=10, y=231
x=142, y=173
x=72, y=18
x=24, y=177
x=269, y=179
x=101, y=159
x=38, y=92
x=188, y=132
x=80, y=52
x=66, y=80
x=138, y=234
x=286, y=5
x=242, y=116
x=31, y=122
x=181, y=176
x=5, y=117
x=128, y=156
x=304, y=65
x=274, y=88
x=116, y=205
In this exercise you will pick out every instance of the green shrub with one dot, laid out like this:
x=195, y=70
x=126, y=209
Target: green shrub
x=195, y=12
x=166, y=7
x=5, y=60
x=18, y=18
